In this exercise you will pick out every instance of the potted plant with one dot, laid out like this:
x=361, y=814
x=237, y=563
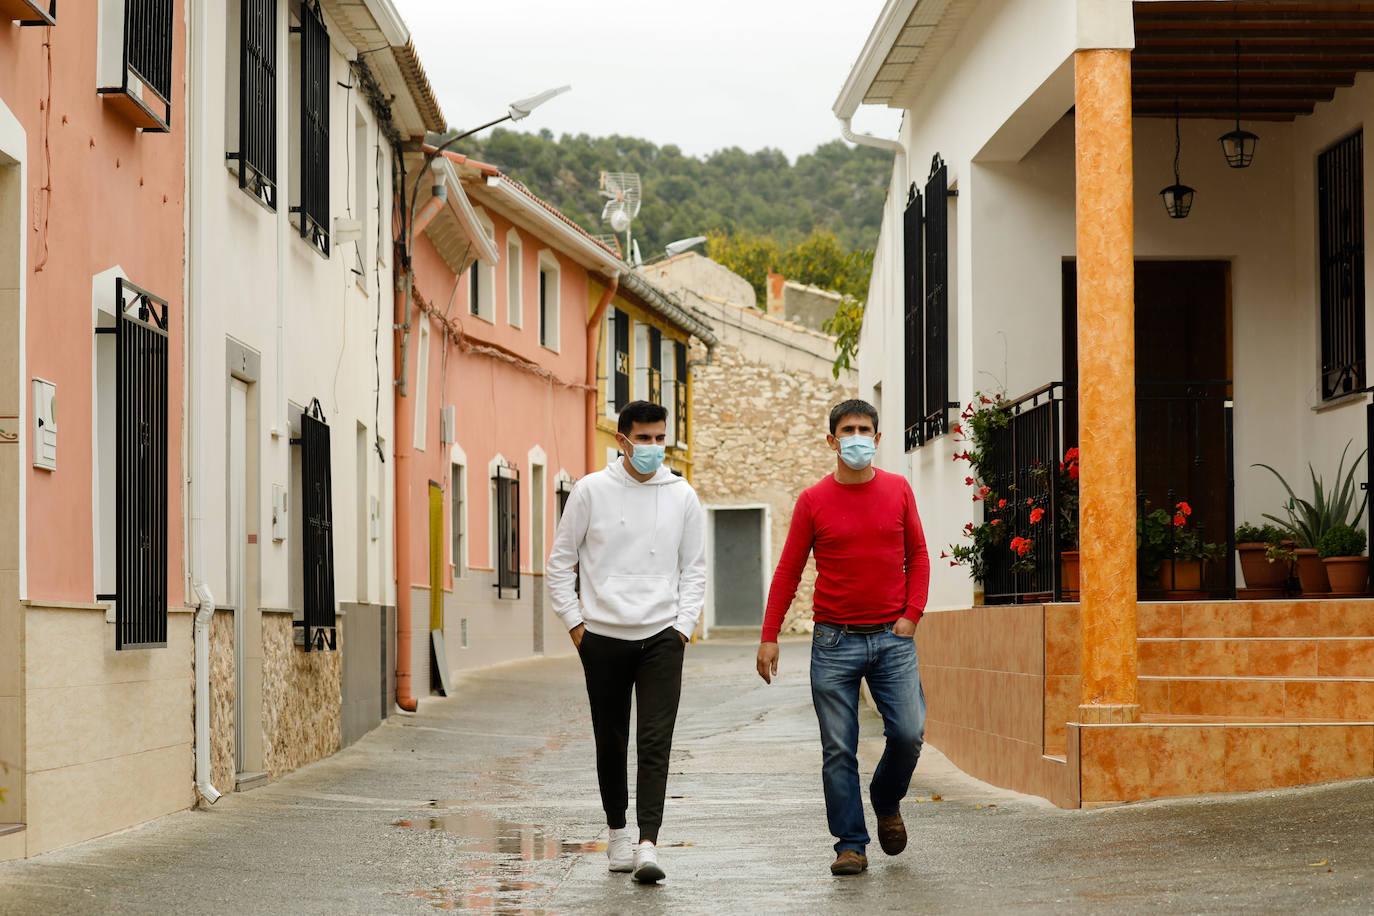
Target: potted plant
x=1309, y=520
x=1342, y=552
x=1260, y=569
x=1171, y=551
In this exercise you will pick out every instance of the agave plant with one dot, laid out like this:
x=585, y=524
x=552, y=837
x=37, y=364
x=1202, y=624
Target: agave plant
x=1308, y=521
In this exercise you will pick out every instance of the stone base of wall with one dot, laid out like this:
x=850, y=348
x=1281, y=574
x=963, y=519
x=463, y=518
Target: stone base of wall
x=223, y=701
x=301, y=697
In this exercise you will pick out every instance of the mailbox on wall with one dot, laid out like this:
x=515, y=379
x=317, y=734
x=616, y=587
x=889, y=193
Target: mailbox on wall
x=44, y=425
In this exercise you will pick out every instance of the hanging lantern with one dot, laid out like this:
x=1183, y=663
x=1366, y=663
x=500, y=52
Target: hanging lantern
x=1238, y=145
x=1178, y=197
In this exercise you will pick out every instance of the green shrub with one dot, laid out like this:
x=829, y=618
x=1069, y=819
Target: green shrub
x=1261, y=534
x=1342, y=541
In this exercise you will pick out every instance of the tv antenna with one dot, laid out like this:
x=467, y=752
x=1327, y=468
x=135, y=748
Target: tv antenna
x=622, y=193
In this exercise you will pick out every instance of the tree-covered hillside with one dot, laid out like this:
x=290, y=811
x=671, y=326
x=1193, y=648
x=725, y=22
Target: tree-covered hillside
x=836, y=188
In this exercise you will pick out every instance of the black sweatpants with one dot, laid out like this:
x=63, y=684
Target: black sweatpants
x=651, y=669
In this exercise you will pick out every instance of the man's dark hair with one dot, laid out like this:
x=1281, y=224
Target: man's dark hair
x=853, y=408
x=642, y=412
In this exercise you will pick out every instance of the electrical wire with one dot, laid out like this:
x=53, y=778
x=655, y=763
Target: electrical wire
x=47, y=153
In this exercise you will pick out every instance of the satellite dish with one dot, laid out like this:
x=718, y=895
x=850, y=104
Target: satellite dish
x=621, y=190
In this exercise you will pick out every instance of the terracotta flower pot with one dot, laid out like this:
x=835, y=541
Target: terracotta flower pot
x=1180, y=578
x=1347, y=575
x=1312, y=572
x=1068, y=574
x=1259, y=572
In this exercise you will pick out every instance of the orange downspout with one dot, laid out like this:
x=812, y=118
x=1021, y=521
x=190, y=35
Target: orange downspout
x=405, y=433
x=593, y=333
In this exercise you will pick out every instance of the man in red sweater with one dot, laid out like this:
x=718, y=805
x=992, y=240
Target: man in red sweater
x=872, y=578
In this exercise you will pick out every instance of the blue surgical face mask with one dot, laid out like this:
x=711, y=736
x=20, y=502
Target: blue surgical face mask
x=857, y=451
x=647, y=458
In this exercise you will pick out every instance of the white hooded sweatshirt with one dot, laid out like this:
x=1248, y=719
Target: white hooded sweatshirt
x=641, y=553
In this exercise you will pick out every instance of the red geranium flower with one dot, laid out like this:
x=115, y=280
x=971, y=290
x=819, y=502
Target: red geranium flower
x=984, y=400
x=958, y=429
x=1071, y=454
x=1036, y=515
x=997, y=521
x=1184, y=509
x=969, y=526
x=1179, y=521
x=984, y=491
x=1073, y=471
x=969, y=481
x=943, y=555
x=1001, y=503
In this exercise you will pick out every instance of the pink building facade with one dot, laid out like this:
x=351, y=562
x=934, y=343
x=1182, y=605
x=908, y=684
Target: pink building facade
x=504, y=289
x=95, y=709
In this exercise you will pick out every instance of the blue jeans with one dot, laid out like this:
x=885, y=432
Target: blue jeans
x=888, y=662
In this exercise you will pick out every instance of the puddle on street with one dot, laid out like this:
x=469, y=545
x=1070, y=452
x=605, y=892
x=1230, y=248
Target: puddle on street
x=482, y=833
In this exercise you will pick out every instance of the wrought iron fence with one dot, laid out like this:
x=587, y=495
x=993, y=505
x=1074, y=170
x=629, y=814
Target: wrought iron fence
x=1022, y=465
x=141, y=348
x=314, y=205
x=317, y=537
x=913, y=248
x=507, y=484
x=1185, y=455
x=937, y=300
x=257, y=153
x=1340, y=222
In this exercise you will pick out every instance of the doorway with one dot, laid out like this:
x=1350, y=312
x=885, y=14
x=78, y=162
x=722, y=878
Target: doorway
x=738, y=553
x=1183, y=395
x=236, y=541
x=537, y=551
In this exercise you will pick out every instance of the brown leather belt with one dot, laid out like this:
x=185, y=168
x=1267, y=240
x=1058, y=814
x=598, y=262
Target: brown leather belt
x=857, y=628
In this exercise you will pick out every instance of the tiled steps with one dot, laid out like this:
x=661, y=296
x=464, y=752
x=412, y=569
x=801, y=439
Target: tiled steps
x=1254, y=657
x=1259, y=698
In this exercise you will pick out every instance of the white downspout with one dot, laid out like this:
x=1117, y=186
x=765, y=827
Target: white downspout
x=195, y=311
x=877, y=143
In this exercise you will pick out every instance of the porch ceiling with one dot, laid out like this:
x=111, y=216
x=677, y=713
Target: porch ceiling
x=1292, y=56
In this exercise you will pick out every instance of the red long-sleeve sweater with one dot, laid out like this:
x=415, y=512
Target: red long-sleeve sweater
x=871, y=560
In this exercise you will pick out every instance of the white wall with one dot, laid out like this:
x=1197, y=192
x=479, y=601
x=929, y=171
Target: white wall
x=1016, y=228
x=331, y=321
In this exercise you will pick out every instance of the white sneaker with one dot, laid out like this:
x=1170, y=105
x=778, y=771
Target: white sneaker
x=620, y=849
x=647, y=870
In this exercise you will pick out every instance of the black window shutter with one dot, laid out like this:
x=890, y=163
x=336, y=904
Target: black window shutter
x=937, y=300
x=655, y=365
x=314, y=177
x=317, y=516
x=621, y=376
x=913, y=254
x=141, y=469
x=1340, y=219
x=680, y=392
x=507, y=481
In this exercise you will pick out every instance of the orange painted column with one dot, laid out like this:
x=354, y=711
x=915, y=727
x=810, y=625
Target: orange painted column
x=1106, y=380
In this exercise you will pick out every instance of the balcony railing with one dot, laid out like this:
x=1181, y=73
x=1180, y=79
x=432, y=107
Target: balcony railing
x=29, y=12
x=144, y=91
x=1185, y=453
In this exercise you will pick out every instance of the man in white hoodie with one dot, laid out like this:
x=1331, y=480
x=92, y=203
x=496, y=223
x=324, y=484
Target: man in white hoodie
x=633, y=536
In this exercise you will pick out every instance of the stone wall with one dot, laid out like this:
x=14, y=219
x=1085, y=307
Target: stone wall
x=222, y=701
x=301, y=697
x=759, y=420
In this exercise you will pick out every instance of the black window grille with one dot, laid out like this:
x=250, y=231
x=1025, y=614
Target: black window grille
x=458, y=524
x=474, y=290
x=680, y=392
x=913, y=254
x=140, y=469
x=257, y=153
x=29, y=12
x=620, y=377
x=145, y=88
x=314, y=205
x=937, y=300
x=317, y=531
x=1340, y=195
x=507, y=486
x=655, y=366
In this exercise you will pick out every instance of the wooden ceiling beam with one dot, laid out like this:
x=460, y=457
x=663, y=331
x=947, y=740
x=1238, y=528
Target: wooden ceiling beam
x=1257, y=98
x=1151, y=12
x=1194, y=79
x=1296, y=63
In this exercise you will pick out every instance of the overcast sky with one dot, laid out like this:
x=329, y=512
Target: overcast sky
x=703, y=75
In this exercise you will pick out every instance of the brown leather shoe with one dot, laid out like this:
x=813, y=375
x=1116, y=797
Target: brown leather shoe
x=892, y=833
x=849, y=862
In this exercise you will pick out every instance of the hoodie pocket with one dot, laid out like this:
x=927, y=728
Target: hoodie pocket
x=631, y=600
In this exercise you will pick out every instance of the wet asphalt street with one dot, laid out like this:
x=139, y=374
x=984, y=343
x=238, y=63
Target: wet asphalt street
x=486, y=803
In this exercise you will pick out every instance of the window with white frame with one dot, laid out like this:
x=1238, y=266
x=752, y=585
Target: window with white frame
x=421, y=382
x=641, y=367
x=458, y=522
x=482, y=281
x=515, y=306
x=669, y=376
x=549, y=276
